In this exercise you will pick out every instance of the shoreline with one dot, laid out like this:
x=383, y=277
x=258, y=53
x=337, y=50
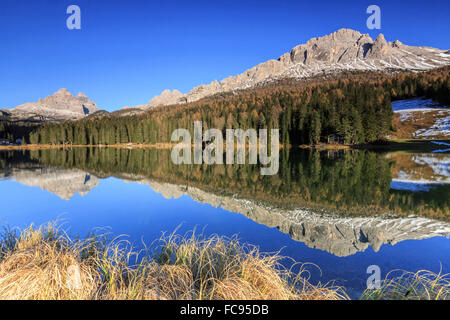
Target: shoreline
x=161, y=145
x=391, y=145
x=61, y=146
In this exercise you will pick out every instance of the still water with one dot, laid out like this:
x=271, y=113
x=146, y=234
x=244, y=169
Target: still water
x=342, y=211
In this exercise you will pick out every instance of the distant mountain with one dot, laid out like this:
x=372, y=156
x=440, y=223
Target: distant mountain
x=343, y=50
x=60, y=106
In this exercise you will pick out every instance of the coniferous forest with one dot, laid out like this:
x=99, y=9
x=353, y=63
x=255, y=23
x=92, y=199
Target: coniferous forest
x=354, y=106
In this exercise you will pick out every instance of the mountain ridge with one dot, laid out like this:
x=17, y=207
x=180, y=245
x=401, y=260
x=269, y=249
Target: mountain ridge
x=343, y=50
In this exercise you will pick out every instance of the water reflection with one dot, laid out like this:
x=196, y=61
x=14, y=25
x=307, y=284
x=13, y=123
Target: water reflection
x=420, y=172
x=341, y=202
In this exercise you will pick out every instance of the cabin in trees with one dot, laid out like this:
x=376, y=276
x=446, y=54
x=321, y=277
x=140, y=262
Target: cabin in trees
x=4, y=142
x=335, y=138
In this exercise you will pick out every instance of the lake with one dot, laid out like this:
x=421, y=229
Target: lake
x=340, y=210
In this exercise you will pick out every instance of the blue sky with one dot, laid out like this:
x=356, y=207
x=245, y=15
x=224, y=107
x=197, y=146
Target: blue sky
x=129, y=51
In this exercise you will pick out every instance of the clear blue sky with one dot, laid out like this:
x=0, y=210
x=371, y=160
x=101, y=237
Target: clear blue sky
x=129, y=51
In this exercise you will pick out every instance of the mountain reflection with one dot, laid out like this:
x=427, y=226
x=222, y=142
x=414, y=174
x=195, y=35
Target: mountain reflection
x=341, y=202
x=65, y=183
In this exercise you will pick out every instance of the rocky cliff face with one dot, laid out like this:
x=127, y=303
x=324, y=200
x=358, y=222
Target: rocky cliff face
x=344, y=49
x=60, y=106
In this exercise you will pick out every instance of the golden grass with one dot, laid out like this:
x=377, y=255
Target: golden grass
x=45, y=263
x=35, y=266
x=403, y=285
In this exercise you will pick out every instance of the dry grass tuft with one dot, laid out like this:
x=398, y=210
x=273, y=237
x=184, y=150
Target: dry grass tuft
x=45, y=263
x=41, y=265
x=402, y=285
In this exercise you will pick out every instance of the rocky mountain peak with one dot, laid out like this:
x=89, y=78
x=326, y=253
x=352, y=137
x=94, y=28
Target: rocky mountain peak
x=379, y=48
x=167, y=97
x=60, y=106
x=380, y=39
x=81, y=95
x=341, y=35
x=397, y=44
x=343, y=50
x=63, y=92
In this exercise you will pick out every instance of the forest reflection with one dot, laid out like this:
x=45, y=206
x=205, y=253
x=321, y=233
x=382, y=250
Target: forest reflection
x=344, y=182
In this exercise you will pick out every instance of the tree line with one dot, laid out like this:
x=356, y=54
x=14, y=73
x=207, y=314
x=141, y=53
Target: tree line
x=356, y=107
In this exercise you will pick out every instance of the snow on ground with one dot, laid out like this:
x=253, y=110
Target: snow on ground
x=410, y=113
x=440, y=128
x=411, y=110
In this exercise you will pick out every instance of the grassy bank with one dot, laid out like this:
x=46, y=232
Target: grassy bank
x=45, y=263
x=406, y=145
